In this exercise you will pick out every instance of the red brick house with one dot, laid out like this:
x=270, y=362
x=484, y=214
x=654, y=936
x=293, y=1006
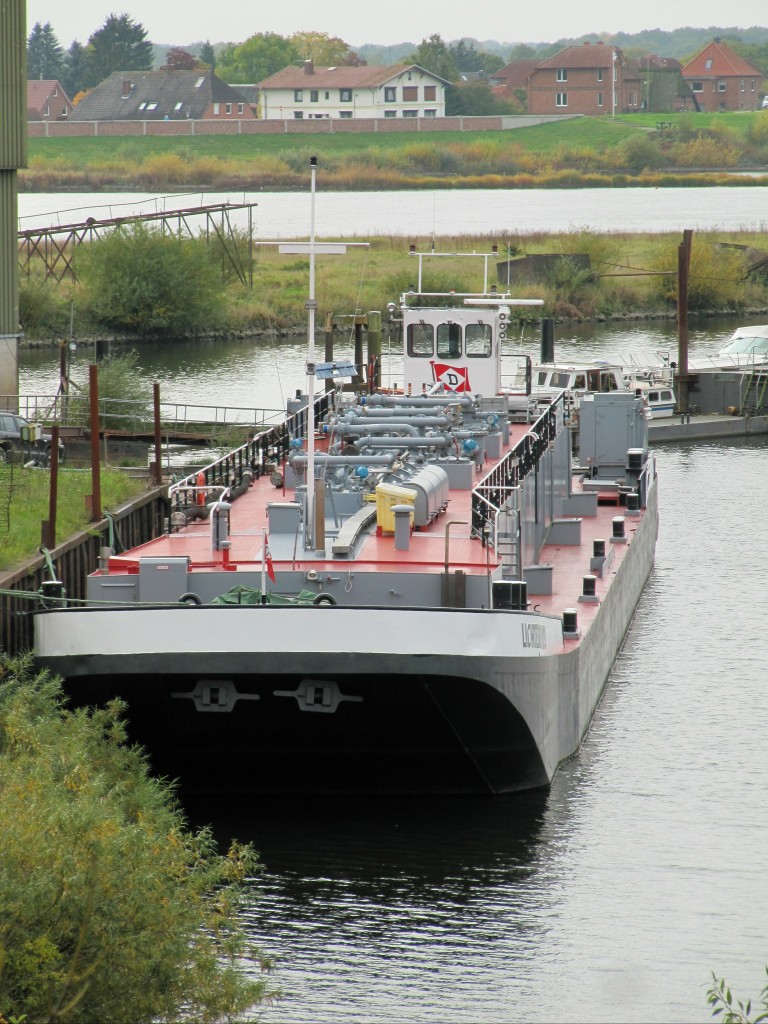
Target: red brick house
x=591, y=78
x=513, y=76
x=720, y=79
x=47, y=101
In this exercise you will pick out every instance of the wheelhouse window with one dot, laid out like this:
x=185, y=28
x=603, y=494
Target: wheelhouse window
x=420, y=340
x=478, y=339
x=449, y=341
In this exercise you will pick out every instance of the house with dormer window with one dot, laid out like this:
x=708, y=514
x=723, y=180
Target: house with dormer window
x=47, y=101
x=163, y=96
x=344, y=92
x=719, y=79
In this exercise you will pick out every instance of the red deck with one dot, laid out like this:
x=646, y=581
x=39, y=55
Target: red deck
x=427, y=550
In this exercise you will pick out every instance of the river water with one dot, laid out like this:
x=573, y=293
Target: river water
x=613, y=896
x=447, y=212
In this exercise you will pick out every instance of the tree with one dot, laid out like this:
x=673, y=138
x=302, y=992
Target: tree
x=119, y=45
x=112, y=909
x=719, y=997
x=45, y=56
x=433, y=55
x=208, y=55
x=467, y=58
x=178, y=59
x=144, y=282
x=74, y=71
x=257, y=58
x=476, y=99
x=323, y=49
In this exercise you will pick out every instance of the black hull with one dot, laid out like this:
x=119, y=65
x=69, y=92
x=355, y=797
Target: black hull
x=405, y=735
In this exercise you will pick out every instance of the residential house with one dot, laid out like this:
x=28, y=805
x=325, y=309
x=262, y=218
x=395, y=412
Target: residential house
x=590, y=78
x=511, y=81
x=163, y=96
x=47, y=101
x=663, y=88
x=347, y=92
x=722, y=80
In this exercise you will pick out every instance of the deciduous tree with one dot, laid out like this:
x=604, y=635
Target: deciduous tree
x=178, y=59
x=257, y=58
x=323, y=49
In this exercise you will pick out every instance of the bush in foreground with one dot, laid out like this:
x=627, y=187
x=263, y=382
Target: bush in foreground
x=112, y=909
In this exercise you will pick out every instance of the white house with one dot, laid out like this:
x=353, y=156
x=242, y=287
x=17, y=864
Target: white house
x=351, y=92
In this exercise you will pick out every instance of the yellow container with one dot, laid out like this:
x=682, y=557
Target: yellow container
x=387, y=496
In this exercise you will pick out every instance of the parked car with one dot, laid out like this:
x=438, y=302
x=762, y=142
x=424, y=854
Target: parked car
x=16, y=433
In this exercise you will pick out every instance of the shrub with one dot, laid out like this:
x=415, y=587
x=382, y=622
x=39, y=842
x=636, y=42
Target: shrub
x=112, y=909
x=43, y=310
x=715, y=279
x=142, y=281
x=639, y=152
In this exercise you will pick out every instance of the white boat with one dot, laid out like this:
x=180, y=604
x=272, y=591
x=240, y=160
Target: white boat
x=386, y=593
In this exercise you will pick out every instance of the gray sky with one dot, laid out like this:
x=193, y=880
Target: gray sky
x=181, y=22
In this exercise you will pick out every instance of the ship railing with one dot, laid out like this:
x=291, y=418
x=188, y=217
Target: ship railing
x=265, y=452
x=492, y=492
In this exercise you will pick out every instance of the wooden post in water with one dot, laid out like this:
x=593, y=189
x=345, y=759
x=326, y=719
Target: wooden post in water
x=329, y=347
x=95, y=496
x=157, y=465
x=683, y=268
x=374, y=351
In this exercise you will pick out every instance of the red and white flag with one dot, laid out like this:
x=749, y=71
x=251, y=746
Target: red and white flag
x=453, y=378
x=267, y=568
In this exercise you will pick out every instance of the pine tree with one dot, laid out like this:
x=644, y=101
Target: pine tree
x=45, y=55
x=73, y=75
x=119, y=45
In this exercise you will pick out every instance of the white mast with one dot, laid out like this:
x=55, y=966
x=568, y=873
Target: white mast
x=309, y=525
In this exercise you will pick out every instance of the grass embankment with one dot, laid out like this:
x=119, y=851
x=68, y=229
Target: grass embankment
x=24, y=504
x=631, y=275
x=590, y=151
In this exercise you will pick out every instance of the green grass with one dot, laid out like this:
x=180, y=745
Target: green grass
x=24, y=504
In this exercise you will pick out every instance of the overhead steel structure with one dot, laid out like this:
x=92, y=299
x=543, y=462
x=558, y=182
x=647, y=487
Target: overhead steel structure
x=55, y=247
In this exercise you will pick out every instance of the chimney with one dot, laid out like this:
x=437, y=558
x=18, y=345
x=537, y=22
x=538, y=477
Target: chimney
x=309, y=67
x=127, y=88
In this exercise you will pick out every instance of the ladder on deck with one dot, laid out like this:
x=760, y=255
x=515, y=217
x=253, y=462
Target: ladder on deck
x=508, y=542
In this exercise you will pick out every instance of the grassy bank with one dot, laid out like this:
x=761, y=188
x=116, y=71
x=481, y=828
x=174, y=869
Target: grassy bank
x=590, y=151
x=630, y=275
x=26, y=504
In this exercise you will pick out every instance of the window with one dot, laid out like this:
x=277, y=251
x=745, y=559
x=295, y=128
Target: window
x=216, y=108
x=390, y=113
x=345, y=95
x=390, y=94
x=430, y=93
x=430, y=112
x=697, y=87
x=143, y=106
x=200, y=81
x=722, y=86
x=599, y=74
x=599, y=99
x=152, y=105
x=298, y=95
x=298, y=115
x=708, y=64
x=345, y=113
x=561, y=75
x=633, y=99
x=561, y=100
x=240, y=108
x=314, y=95
x=743, y=85
x=420, y=340
x=410, y=93
x=410, y=113
x=47, y=112
x=327, y=94
x=752, y=85
x=55, y=92
x=228, y=108
x=449, y=341
x=477, y=339
x=179, y=105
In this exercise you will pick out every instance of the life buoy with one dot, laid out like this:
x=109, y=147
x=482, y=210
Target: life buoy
x=190, y=598
x=324, y=599
x=200, y=494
